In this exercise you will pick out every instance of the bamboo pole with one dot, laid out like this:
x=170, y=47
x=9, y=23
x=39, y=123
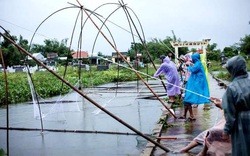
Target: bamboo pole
x=143, y=44
x=6, y=99
x=86, y=97
x=137, y=74
x=68, y=131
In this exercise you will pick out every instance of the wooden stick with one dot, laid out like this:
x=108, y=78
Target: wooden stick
x=167, y=137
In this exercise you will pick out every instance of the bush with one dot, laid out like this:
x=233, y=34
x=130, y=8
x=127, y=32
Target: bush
x=47, y=85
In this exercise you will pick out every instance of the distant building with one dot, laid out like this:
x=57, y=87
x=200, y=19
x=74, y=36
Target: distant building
x=52, y=58
x=94, y=59
x=80, y=55
x=38, y=56
x=117, y=58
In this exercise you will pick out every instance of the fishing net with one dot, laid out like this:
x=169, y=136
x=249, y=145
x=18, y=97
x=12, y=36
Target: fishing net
x=54, y=110
x=128, y=95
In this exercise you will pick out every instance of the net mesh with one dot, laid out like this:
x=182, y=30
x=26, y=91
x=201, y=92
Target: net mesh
x=54, y=110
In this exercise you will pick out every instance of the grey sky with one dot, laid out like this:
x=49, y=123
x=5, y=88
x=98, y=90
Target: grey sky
x=223, y=21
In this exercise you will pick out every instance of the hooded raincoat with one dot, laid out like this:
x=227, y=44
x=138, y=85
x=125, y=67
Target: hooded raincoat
x=236, y=106
x=204, y=64
x=197, y=83
x=169, y=69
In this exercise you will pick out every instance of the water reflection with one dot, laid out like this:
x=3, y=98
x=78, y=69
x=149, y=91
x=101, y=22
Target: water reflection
x=206, y=117
x=100, y=135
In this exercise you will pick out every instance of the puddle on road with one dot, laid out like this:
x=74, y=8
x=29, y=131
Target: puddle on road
x=185, y=132
x=142, y=114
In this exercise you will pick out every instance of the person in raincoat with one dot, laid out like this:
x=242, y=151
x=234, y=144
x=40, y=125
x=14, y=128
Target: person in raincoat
x=236, y=106
x=181, y=68
x=169, y=69
x=211, y=139
x=196, y=88
x=203, y=59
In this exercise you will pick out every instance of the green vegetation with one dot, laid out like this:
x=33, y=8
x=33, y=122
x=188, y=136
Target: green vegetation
x=154, y=48
x=47, y=85
x=2, y=153
x=222, y=72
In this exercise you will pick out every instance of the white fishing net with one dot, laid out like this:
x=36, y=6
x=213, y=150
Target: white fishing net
x=54, y=110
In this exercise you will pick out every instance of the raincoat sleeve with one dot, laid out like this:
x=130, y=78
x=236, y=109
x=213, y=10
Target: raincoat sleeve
x=229, y=111
x=159, y=71
x=195, y=68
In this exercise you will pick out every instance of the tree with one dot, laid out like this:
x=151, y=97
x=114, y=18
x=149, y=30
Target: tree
x=155, y=49
x=214, y=55
x=23, y=42
x=212, y=52
x=36, y=48
x=211, y=47
x=230, y=51
x=245, y=45
x=135, y=48
x=52, y=46
x=12, y=56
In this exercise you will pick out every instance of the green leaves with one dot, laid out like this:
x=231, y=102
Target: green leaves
x=47, y=85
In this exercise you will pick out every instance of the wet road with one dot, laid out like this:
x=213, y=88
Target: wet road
x=185, y=131
x=94, y=132
x=142, y=114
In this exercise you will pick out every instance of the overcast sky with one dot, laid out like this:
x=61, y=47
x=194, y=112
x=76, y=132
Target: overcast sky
x=223, y=21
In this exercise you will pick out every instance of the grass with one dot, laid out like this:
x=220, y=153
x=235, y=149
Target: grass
x=223, y=74
x=47, y=85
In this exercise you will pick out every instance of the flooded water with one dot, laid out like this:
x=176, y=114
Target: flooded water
x=77, y=127
x=82, y=129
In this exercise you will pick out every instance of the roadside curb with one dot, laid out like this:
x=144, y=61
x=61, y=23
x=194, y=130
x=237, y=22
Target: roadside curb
x=220, y=82
x=150, y=147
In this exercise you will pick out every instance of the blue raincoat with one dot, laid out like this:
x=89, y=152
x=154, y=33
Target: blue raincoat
x=197, y=83
x=169, y=69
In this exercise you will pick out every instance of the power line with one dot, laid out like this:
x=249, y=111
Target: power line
x=23, y=28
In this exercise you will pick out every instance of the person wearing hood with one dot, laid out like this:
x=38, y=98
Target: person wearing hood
x=169, y=69
x=196, y=86
x=236, y=106
x=203, y=59
x=211, y=139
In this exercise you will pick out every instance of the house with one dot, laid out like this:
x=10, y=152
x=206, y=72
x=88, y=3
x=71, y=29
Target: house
x=117, y=58
x=93, y=59
x=80, y=55
x=52, y=58
x=38, y=56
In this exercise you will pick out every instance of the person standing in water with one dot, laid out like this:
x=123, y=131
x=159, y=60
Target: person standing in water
x=169, y=69
x=203, y=58
x=196, y=87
